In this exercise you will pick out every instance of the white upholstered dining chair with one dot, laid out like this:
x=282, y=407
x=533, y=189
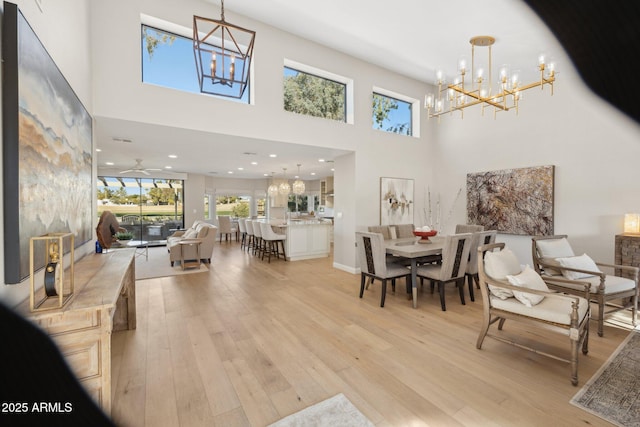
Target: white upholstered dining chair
x=374, y=264
x=455, y=256
x=226, y=227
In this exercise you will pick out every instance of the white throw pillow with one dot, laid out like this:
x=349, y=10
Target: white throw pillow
x=531, y=280
x=550, y=249
x=582, y=262
x=499, y=265
x=190, y=234
x=554, y=248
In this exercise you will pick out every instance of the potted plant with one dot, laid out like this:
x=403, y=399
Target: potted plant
x=124, y=235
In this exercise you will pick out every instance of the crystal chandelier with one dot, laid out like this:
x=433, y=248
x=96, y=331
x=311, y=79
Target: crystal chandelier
x=298, y=184
x=284, y=188
x=480, y=91
x=273, y=188
x=223, y=54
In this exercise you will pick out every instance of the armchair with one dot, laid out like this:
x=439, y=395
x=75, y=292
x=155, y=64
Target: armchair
x=553, y=256
x=501, y=285
x=199, y=231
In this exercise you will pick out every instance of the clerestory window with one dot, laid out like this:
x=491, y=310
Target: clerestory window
x=391, y=114
x=317, y=93
x=167, y=60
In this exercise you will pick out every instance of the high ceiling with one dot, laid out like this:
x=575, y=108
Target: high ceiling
x=411, y=37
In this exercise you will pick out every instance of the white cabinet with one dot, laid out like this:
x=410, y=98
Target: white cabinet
x=307, y=240
x=326, y=192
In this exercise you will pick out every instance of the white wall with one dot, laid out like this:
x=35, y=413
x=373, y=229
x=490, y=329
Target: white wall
x=592, y=147
x=120, y=94
x=595, y=150
x=63, y=28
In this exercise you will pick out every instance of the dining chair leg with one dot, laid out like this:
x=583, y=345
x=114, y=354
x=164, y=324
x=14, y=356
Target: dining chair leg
x=441, y=291
x=362, y=281
x=460, y=284
x=384, y=292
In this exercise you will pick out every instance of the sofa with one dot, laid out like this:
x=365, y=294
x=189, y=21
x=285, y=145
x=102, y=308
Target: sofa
x=200, y=231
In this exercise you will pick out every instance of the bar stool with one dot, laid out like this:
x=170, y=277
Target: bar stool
x=257, y=238
x=248, y=224
x=271, y=239
x=243, y=233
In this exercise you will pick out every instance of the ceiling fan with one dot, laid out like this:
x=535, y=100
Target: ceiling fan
x=139, y=168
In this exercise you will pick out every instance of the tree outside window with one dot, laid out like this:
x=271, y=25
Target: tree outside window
x=314, y=96
x=391, y=114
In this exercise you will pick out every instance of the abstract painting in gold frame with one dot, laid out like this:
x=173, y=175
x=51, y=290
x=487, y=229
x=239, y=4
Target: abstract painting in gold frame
x=396, y=201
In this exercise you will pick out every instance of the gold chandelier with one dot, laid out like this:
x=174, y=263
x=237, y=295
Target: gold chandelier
x=223, y=54
x=298, y=185
x=505, y=96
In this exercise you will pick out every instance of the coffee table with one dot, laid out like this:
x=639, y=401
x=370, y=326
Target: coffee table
x=142, y=248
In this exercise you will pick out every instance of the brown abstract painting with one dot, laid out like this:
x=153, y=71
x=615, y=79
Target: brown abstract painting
x=512, y=201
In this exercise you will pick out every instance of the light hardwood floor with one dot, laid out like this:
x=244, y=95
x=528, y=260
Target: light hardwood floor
x=248, y=343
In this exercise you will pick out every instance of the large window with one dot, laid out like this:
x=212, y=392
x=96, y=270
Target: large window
x=150, y=209
x=391, y=114
x=167, y=60
x=317, y=93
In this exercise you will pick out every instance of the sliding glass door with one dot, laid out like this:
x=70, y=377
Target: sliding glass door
x=150, y=209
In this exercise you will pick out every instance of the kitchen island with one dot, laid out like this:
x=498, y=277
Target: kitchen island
x=307, y=239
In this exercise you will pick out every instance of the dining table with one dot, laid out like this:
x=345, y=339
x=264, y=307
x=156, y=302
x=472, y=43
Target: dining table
x=413, y=248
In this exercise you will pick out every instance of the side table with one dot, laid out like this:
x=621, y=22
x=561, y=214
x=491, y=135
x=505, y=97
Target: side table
x=627, y=251
x=142, y=248
x=184, y=248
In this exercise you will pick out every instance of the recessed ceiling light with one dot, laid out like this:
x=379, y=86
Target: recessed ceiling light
x=273, y=155
x=230, y=172
x=313, y=173
x=265, y=174
x=108, y=163
x=173, y=156
x=240, y=169
x=254, y=163
x=98, y=150
x=168, y=167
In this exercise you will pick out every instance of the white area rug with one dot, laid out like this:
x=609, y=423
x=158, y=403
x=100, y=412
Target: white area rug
x=158, y=265
x=336, y=411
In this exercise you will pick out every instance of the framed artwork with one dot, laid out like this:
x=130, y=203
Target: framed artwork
x=512, y=201
x=47, y=148
x=396, y=201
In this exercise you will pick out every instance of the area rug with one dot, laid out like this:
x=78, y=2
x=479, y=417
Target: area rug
x=613, y=393
x=335, y=411
x=158, y=265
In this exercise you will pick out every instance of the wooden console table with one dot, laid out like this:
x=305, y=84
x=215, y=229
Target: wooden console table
x=104, y=301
